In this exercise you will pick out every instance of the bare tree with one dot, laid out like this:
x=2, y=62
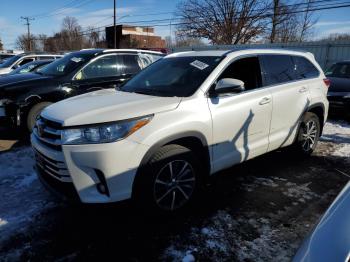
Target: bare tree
x=71, y=37
x=183, y=40
x=337, y=37
x=289, y=26
x=307, y=21
x=22, y=42
x=1, y=45
x=223, y=21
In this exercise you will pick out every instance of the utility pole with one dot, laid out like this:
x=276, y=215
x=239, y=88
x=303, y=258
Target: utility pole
x=114, y=25
x=28, y=19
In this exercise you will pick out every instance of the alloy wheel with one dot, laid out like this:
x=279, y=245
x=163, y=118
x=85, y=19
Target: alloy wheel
x=174, y=185
x=309, y=135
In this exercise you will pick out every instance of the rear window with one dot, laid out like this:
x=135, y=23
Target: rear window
x=341, y=70
x=304, y=68
x=278, y=69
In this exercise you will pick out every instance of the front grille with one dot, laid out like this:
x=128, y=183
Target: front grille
x=49, y=133
x=56, y=169
x=59, y=188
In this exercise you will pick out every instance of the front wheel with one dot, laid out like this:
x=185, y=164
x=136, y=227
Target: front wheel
x=33, y=113
x=308, y=135
x=170, y=180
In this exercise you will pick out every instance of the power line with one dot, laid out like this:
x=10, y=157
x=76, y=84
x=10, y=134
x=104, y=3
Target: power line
x=316, y=8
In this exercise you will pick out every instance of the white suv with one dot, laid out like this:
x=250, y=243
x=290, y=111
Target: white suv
x=159, y=136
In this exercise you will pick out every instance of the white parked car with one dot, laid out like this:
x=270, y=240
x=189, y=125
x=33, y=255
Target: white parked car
x=16, y=61
x=180, y=120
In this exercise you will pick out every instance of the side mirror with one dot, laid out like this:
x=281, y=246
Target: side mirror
x=229, y=85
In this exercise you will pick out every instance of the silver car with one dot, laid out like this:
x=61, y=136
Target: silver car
x=330, y=240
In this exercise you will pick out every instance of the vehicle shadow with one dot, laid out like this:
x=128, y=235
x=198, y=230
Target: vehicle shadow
x=11, y=138
x=120, y=231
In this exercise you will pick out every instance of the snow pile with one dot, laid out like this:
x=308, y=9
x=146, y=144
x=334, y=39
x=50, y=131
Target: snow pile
x=338, y=132
x=22, y=195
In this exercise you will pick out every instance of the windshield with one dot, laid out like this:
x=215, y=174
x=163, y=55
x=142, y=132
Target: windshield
x=66, y=65
x=175, y=76
x=23, y=69
x=8, y=62
x=339, y=70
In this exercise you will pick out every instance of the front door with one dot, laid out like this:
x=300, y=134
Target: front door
x=241, y=122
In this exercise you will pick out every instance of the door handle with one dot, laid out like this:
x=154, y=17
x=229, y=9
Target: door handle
x=264, y=101
x=303, y=89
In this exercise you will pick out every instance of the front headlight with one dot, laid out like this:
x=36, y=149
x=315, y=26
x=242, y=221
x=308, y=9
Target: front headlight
x=103, y=133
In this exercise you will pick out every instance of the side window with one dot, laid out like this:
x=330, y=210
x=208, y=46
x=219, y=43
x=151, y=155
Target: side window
x=131, y=63
x=148, y=59
x=25, y=60
x=278, y=69
x=45, y=57
x=304, y=68
x=105, y=66
x=246, y=70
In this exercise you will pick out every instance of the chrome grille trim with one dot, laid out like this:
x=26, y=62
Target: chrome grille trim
x=49, y=133
x=56, y=169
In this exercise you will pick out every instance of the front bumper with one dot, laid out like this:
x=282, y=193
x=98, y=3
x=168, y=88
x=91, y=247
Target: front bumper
x=88, y=166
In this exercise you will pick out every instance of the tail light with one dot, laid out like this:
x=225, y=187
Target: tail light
x=327, y=82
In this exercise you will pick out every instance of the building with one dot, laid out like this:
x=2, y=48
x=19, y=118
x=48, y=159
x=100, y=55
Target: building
x=134, y=37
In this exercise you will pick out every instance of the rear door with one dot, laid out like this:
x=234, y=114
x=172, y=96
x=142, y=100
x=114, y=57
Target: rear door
x=290, y=96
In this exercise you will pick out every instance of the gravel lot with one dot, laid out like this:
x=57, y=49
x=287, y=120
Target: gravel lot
x=260, y=210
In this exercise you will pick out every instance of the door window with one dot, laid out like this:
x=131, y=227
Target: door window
x=25, y=61
x=148, y=59
x=105, y=66
x=304, y=68
x=45, y=57
x=131, y=63
x=278, y=69
x=245, y=69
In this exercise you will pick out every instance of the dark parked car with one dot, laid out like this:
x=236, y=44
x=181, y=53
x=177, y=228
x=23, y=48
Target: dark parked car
x=4, y=56
x=24, y=96
x=339, y=90
x=30, y=67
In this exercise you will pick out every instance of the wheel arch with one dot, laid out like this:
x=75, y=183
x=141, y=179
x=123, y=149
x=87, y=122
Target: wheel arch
x=319, y=110
x=192, y=140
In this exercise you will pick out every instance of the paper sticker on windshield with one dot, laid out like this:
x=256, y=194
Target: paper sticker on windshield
x=200, y=65
x=76, y=59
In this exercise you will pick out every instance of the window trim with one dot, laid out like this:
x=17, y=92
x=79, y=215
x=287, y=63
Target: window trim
x=96, y=58
x=234, y=59
x=288, y=82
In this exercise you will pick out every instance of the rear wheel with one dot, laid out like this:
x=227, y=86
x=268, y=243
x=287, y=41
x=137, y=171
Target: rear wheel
x=170, y=180
x=33, y=113
x=308, y=134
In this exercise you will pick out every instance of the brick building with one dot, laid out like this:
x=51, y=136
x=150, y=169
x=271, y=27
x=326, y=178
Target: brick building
x=133, y=37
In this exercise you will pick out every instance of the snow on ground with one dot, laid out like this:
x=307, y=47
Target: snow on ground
x=22, y=195
x=249, y=236
x=224, y=235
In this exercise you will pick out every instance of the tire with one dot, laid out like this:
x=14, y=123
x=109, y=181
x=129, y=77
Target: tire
x=308, y=135
x=33, y=113
x=155, y=190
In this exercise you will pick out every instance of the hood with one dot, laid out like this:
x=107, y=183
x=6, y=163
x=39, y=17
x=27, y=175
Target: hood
x=107, y=106
x=20, y=79
x=5, y=70
x=339, y=84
